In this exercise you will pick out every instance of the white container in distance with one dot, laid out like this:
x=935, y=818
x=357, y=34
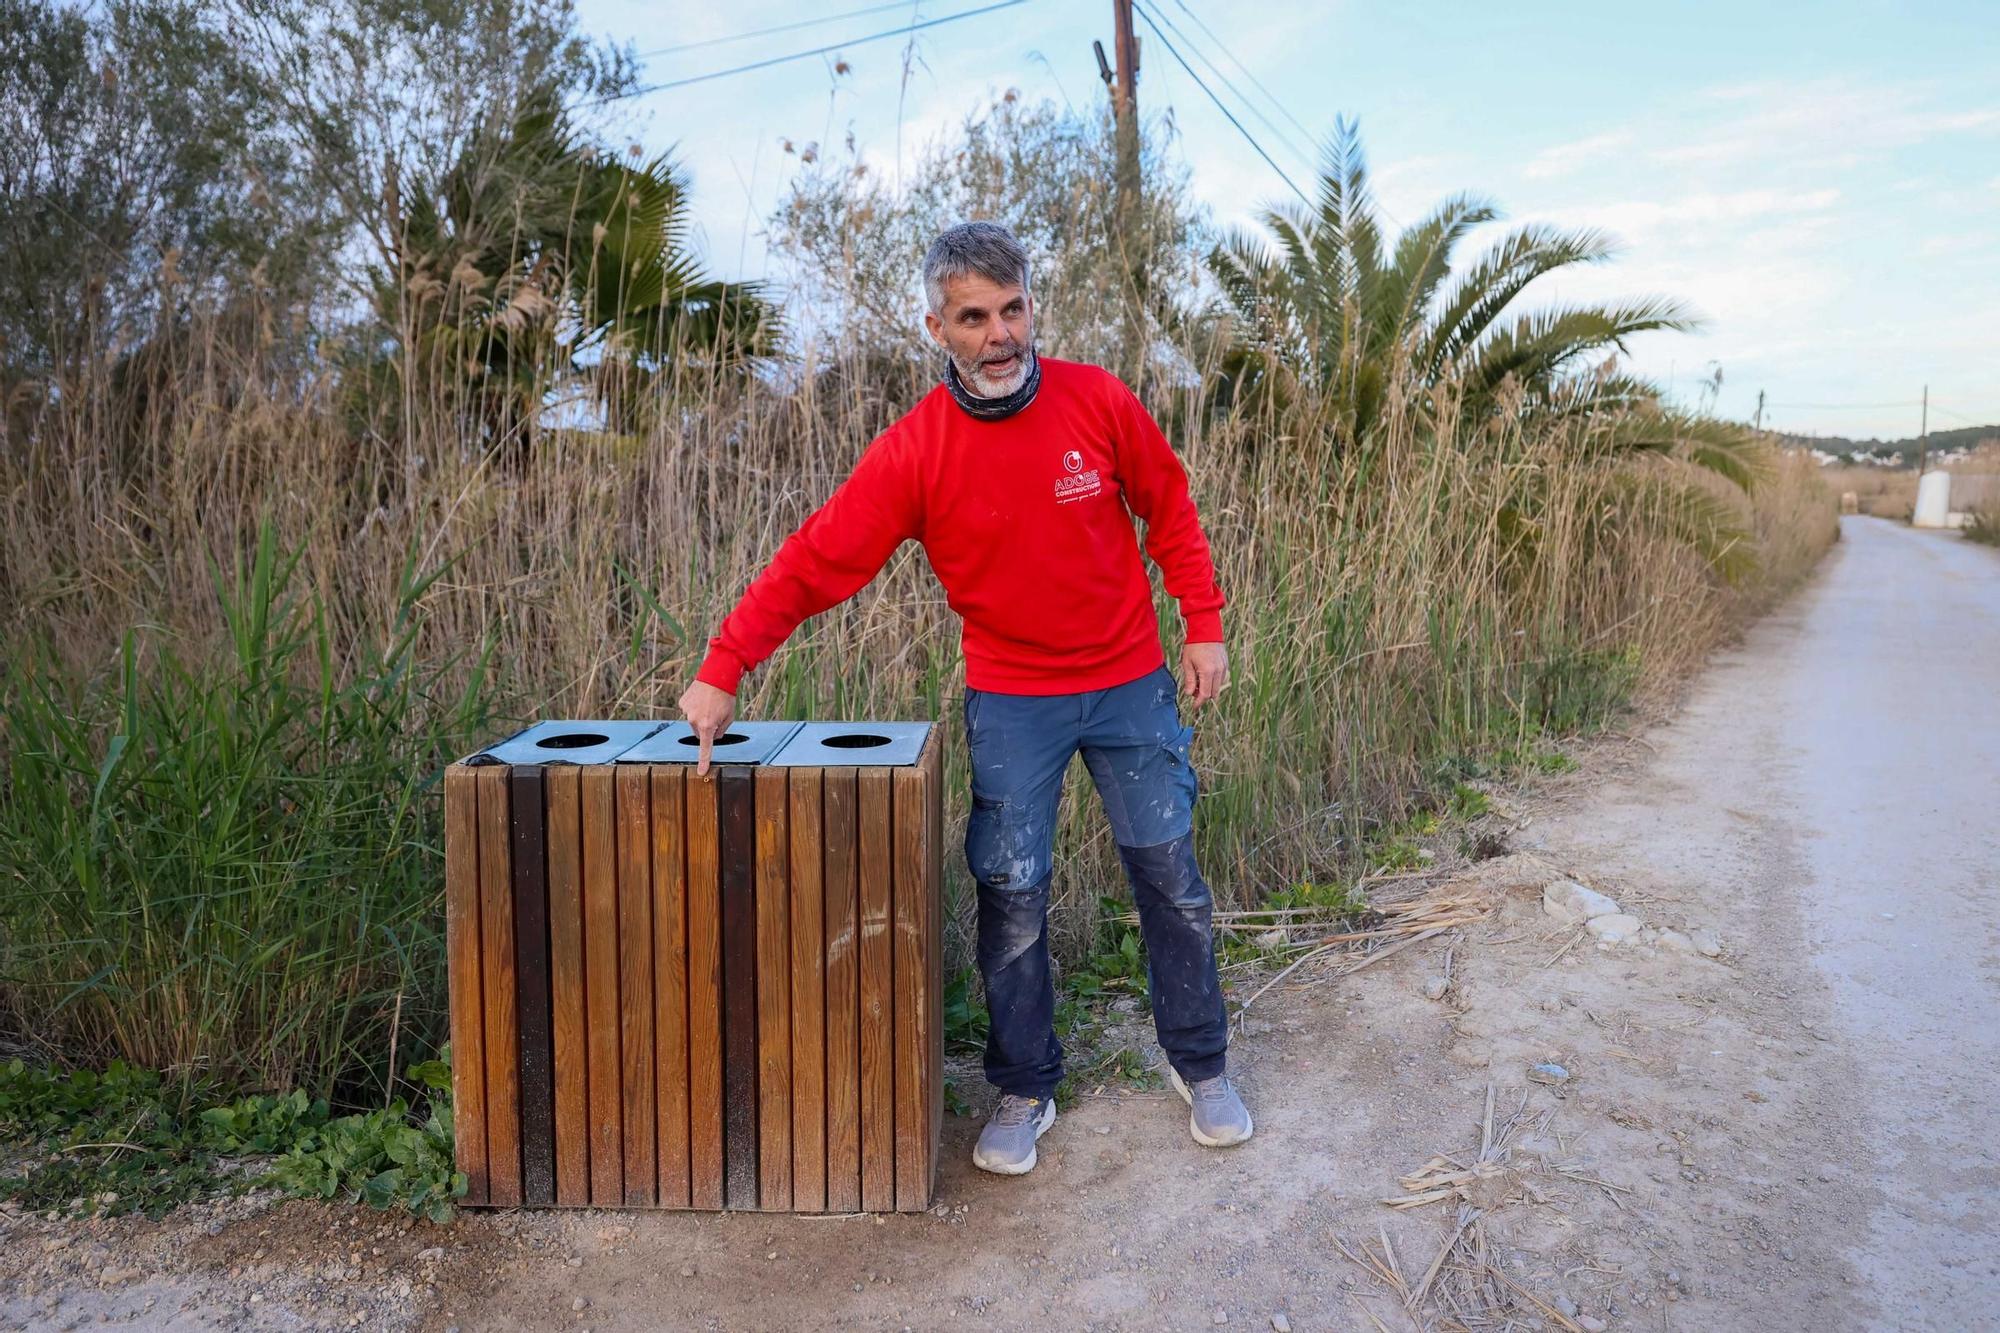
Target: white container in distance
x=1933, y=501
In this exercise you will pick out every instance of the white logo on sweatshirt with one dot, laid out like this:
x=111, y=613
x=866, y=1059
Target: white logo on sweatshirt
x=1080, y=484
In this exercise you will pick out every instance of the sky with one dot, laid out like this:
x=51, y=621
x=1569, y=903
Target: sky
x=1821, y=182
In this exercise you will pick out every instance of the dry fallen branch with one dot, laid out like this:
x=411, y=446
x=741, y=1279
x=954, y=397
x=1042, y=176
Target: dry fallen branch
x=1464, y=1286
x=1398, y=925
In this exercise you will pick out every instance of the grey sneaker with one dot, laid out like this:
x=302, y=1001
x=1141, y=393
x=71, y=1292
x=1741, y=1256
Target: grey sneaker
x=1218, y=1118
x=1007, y=1144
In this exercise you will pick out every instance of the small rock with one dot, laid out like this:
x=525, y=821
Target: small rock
x=1614, y=928
x=1548, y=1072
x=1104, y=1129
x=1564, y=1306
x=1280, y=1324
x=1706, y=944
x=687, y=1270
x=1591, y=1323
x=1274, y=939
x=574, y=1261
x=1435, y=987
x=771, y=1254
x=1674, y=941
x=1786, y=1253
x=579, y=1304
x=433, y=1255
x=1571, y=903
x=1222, y=1316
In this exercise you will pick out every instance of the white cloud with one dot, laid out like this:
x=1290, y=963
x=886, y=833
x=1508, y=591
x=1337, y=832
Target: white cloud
x=1846, y=118
x=1689, y=215
x=1564, y=159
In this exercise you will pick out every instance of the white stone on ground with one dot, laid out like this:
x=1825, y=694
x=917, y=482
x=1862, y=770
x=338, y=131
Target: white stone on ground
x=1570, y=902
x=1615, y=928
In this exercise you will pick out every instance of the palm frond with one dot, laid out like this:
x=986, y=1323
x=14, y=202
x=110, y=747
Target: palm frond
x=1540, y=345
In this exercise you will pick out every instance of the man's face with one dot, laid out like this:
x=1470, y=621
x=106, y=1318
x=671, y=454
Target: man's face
x=988, y=328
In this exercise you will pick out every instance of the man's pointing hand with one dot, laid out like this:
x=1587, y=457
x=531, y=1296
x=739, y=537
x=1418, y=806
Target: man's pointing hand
x=709, y=711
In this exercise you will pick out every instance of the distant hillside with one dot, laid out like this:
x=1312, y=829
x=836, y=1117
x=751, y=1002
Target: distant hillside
x=1966, y=437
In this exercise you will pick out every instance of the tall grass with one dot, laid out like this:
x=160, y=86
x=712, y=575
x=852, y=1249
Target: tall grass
x=220, y=834
x=224, y=864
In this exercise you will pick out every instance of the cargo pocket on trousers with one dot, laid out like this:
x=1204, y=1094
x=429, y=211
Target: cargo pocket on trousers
x=1004, y=848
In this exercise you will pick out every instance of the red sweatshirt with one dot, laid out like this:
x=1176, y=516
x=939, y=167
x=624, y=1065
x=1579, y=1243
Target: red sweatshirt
x=1027, y=522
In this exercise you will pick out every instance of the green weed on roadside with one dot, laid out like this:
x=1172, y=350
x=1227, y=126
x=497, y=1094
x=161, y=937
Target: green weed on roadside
x=124, y=1140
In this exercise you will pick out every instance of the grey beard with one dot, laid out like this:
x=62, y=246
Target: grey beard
x=973, y=376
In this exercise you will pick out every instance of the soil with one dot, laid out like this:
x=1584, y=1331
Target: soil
x=1750, y=1141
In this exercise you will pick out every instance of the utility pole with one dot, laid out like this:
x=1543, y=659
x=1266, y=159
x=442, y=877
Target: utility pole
x=1760, y=411
x=1127, y=206
x=1924, y=433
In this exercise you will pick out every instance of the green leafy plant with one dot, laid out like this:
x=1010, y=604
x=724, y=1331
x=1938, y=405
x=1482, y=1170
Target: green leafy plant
x=124, y=1140
x=965, y=1017
x=1468, y=803
x=378, y=1158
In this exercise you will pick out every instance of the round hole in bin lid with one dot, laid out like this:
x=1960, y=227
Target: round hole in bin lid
x=726, y=738
x=572, y=740
x=854, y=740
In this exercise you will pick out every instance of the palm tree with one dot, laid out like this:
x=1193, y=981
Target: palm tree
x=1335, y=310
x=541, y=262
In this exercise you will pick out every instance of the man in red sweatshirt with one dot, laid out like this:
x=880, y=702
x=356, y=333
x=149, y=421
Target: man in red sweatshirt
x=1021, y=476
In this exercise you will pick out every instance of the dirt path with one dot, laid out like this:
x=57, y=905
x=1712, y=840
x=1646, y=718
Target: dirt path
x=1790, y=1135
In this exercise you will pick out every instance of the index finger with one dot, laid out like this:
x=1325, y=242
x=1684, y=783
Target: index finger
x=707, y=734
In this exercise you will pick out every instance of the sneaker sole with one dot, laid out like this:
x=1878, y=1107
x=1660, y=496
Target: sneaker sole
x=1194, y=1130
x=1034, y=1156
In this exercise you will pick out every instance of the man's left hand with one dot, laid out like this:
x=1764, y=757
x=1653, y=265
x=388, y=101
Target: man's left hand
x=1204, y=672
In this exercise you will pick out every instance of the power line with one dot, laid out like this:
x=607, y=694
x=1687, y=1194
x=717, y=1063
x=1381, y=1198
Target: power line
x=1957, y=416
x=1843, y=407
x=1246, y=70
x=1220, y=105
x=1284, y=138
x=903, y=31
x=770, y=32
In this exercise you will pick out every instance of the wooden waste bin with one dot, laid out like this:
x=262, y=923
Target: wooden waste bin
x=708, y=992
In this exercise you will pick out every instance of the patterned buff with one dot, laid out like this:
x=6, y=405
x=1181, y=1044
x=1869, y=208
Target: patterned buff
x=994, y=409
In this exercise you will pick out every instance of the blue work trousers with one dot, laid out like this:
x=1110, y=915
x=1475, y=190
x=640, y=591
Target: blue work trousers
x=1137, y=752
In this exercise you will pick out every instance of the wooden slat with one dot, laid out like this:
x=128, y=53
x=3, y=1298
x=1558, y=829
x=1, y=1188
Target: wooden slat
x=600, y=972
x=461, y=934
x=934, y=769
x=635, y=985
x=670, y=979
x=876, y=875
x=563, y=833
x=496, y=956
x=911, y=839
x=843, y=996
x=808, y=993
x=704, y=914
x=737, y=801
x=531, y=987
x=774, y=993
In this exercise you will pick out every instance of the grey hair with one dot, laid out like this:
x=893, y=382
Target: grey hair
x=985, y=248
